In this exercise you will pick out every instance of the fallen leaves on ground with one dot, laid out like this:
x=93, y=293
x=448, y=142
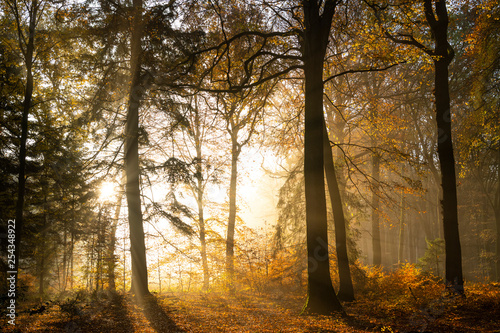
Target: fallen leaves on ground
x=200, y=312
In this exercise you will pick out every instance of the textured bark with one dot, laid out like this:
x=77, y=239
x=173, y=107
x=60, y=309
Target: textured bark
x=137, y=245
x=443, y=56
x=401, y=242
x=376, y=244
x=200, y=202
x=28, y=96
x=201, y=221
x=41, y=277
x=346, y=290
x=235, y=152
x=111, y=260
x=321, y=295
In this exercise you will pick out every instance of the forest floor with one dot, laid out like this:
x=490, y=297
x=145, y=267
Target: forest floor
x=201, y=312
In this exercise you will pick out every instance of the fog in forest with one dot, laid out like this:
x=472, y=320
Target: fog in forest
x=318, y=157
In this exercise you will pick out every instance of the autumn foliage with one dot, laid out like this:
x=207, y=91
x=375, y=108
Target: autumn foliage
x=405, y=300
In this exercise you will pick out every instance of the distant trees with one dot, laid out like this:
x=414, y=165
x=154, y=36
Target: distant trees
x=53, y=185
x=185, y=87
x=480, y=140
x=26, y=42
x=442, y=54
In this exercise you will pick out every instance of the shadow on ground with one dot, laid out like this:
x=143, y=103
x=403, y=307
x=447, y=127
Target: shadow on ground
x=112, y=316
x=158, y=317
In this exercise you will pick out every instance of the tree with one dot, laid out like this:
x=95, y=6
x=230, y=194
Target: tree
x=197, y=127
x=346, y=290
x=26, y=40
x=317, y=22
x=132, y=170
x=313, y=38
x=241, y=112
x=481, y=141
x=436, y=17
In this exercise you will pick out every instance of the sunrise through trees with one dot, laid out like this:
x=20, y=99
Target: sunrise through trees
x=249, y=166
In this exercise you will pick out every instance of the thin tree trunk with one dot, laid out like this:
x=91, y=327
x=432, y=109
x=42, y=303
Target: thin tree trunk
x=41, y=282
x=137, y=245
x=321, y=295
x=235, y=151
x=346, y=291
x=99, y=243
x=71, y=257
x=111, y=260
x=65, y=258
x=401, y=229
x=376, y=245
x=201, y=220
x=200, y=197
x=453, y=249
x=28, y=95
x=159, y=270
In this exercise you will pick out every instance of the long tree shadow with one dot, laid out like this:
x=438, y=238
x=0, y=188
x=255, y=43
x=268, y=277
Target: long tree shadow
x=112, y=317
x=117, y=311
x=158, y=317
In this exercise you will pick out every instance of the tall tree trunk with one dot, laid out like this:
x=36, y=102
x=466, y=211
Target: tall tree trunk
x=413, y=238
x=235, y=152
x=65, y=258
x=111, y=259
x=401, y=229
x=321, y=295
x=444, y=55
x=376, y=245
x=201, y=218
x=41, y=278
x=28, y=95
x=203, y=242
x=137, y=245
x=98, y=247
x=346, y=290
x=439, y=213
x=198, y=139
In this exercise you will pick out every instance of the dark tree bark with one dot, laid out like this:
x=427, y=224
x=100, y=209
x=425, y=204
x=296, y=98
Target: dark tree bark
x=401, y=229
x=443, y=56
x=28, y=50
x=321, y=295
x=199, y=197
x=497, y=223
x=111, y=247
x=137, y=245
x=346, y=290
x=376, y=244
x=236, y=122
x=235, y=153
x=42, y=268
x=201, y=222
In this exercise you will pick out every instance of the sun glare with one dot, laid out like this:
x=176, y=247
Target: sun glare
x=107, y=191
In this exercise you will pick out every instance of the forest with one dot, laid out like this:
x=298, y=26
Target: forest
x=250, y=166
